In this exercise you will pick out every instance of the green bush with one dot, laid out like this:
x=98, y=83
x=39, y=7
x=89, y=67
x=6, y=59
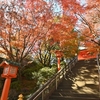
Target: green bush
x=15, y=85
x=27, y=73
x=63, y=64
x=33, y=67
x=43, y=75
x=47, y=72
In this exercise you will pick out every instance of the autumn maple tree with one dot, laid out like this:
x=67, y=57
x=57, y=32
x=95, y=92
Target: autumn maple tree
x=24, y=24
x=90, y=23
x=64, y=35
x=21, y=29
x=65, y=31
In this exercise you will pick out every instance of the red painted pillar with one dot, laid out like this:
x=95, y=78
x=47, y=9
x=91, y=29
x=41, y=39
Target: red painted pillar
x=58, y=55
x=6, y=87
x=9, y=72
x=59, y=63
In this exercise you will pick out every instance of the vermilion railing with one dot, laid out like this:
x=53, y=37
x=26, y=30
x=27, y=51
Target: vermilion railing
x=44, y=92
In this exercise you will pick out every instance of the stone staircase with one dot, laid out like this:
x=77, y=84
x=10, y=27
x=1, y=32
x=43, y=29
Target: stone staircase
x=82, y=83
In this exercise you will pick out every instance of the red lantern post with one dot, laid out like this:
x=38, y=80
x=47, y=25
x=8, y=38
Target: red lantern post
x=9, y=72
x=58, y=55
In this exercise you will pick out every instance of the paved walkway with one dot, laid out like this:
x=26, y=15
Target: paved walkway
x=80, y=84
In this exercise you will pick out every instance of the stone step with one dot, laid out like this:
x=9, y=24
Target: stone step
x=75, y=94
x=72, y=98
x=73, y=88
x=96, y=87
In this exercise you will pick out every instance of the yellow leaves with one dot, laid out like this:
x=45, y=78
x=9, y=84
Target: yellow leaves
x=68, y=45
x=17, y=44
x=56, y=19
x=2, y=50
x=3, y=53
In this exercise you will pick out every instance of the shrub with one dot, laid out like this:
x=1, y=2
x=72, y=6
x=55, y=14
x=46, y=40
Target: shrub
x=15, y=85
x=33, y=67
x=43, y=75
x=27, y=73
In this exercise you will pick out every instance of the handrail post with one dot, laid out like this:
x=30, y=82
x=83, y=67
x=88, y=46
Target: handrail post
x=43, y=95
x=56, y=83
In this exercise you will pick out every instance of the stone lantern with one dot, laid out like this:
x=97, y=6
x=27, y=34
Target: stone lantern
x=9, y=71
x=58, y=55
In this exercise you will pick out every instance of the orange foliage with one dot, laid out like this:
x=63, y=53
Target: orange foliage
x=90, y=25
x=25, y=24
x=71, y=6
x=22, y=29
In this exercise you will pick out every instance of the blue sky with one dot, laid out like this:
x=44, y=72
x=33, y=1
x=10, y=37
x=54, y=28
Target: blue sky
x=57, y=8
x=83, y=2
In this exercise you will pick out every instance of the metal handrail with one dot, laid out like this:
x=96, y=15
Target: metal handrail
x=44, y=92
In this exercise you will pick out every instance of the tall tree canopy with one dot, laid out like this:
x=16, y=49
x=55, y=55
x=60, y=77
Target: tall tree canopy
x=23, y=24
x=21, y=28
x=90, y=25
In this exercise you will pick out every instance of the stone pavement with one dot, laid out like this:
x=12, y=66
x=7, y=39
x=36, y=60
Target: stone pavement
x=82, y=83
